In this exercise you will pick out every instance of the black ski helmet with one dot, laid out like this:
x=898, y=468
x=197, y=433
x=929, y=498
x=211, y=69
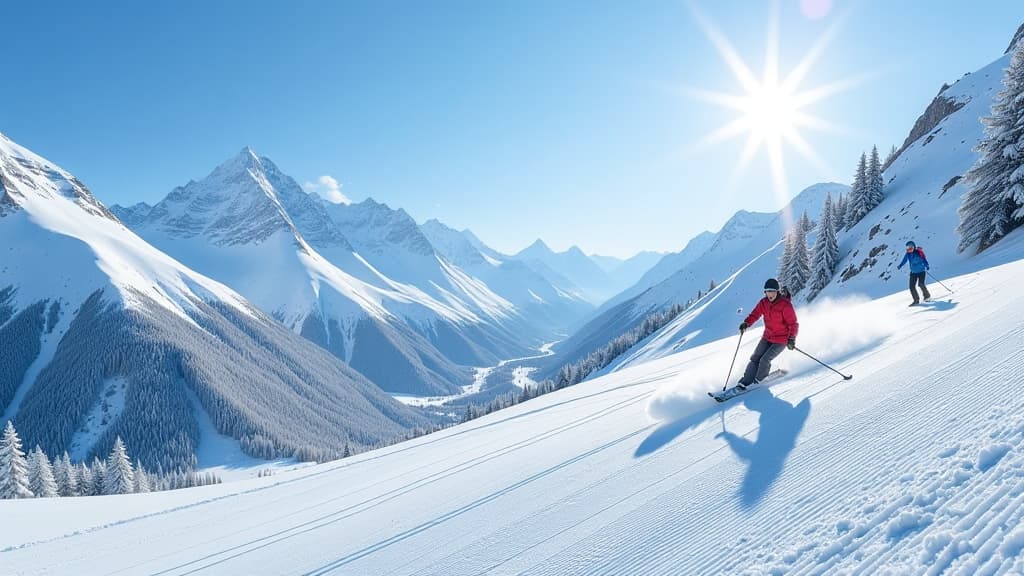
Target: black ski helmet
x=771, y=284
x=910, y=244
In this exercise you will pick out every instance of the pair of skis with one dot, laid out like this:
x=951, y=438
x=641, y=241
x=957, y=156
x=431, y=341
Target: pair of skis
x=735, y=391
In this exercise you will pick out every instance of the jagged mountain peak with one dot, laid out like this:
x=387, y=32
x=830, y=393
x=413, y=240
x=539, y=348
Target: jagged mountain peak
x=454, y=245
x=538, y=249
x=238, y=166
x=132, y=215
x=375, y=227
x=245, y=199
x=25, y=172
x=1016, y=38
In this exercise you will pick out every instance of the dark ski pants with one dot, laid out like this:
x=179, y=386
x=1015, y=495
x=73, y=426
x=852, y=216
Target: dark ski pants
x=917, y=279
x=761, y=361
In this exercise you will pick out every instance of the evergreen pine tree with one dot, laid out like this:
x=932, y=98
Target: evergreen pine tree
x=800, y=271
x=875, y=183
x=994, y=203
x=60, y=476
x=99, y=472
x=66, y=475
x=786, y=262
x=857, y=201
x=805, y=223
x=826, y=250
x=40, y=475
x=72, y=475
x=890, y=156
x=142, y=482
x=86, y=481
x=839, y=213
x=119, y=477
x=13, y=466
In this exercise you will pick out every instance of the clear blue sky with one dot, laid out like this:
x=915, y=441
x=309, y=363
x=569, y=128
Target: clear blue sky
x=571, y=121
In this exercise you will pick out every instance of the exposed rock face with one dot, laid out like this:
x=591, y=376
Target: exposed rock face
x=937, y=111
x=1016, y=38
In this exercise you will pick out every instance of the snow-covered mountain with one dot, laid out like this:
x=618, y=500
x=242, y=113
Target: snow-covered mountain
x=667, y=266
x=550, y=304
x=393, y=244
x=105, y=336
x=253, y=228
x=574, y=265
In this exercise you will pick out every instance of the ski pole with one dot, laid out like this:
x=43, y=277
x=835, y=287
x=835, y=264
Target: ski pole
x=733, y=363
x=940, y=282
x=845, y=377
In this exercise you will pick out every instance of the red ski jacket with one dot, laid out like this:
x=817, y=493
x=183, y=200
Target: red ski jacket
x=779, y=319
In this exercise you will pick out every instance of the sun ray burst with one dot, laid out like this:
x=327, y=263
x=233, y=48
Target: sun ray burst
x=771, y=109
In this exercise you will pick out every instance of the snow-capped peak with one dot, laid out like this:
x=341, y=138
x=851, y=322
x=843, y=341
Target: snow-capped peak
x=24, y=172
x=375, y=228
x=454, y=245
x=538, y=250
x=244, y=200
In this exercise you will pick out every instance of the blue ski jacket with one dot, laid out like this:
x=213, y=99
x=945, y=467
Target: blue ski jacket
x=918, y=263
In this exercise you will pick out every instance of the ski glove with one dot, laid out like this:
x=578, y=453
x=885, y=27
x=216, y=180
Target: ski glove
x=791, y=343
x=743, y=327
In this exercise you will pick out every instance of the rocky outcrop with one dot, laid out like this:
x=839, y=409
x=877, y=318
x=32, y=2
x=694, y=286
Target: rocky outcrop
x=940, y=107
x=1016, y=38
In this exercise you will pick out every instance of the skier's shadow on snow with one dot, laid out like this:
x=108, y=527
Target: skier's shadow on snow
x=779, y=425
x=670, y=431
x=939, y=305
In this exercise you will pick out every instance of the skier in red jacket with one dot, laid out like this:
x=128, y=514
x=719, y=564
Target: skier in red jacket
x=780, y=328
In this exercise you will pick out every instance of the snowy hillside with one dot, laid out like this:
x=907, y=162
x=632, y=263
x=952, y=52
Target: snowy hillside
x=912, y=467
x=105, y=335
x=922, y=195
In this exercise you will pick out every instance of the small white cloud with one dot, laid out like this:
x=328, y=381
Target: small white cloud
x=328, y=188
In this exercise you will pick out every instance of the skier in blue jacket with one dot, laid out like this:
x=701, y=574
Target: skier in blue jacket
x=918, y=267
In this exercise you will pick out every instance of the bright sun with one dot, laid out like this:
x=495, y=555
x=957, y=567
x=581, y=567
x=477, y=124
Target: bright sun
x=772, y=111
x=769, y=112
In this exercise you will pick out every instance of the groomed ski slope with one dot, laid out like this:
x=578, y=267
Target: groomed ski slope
x=913, y=467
